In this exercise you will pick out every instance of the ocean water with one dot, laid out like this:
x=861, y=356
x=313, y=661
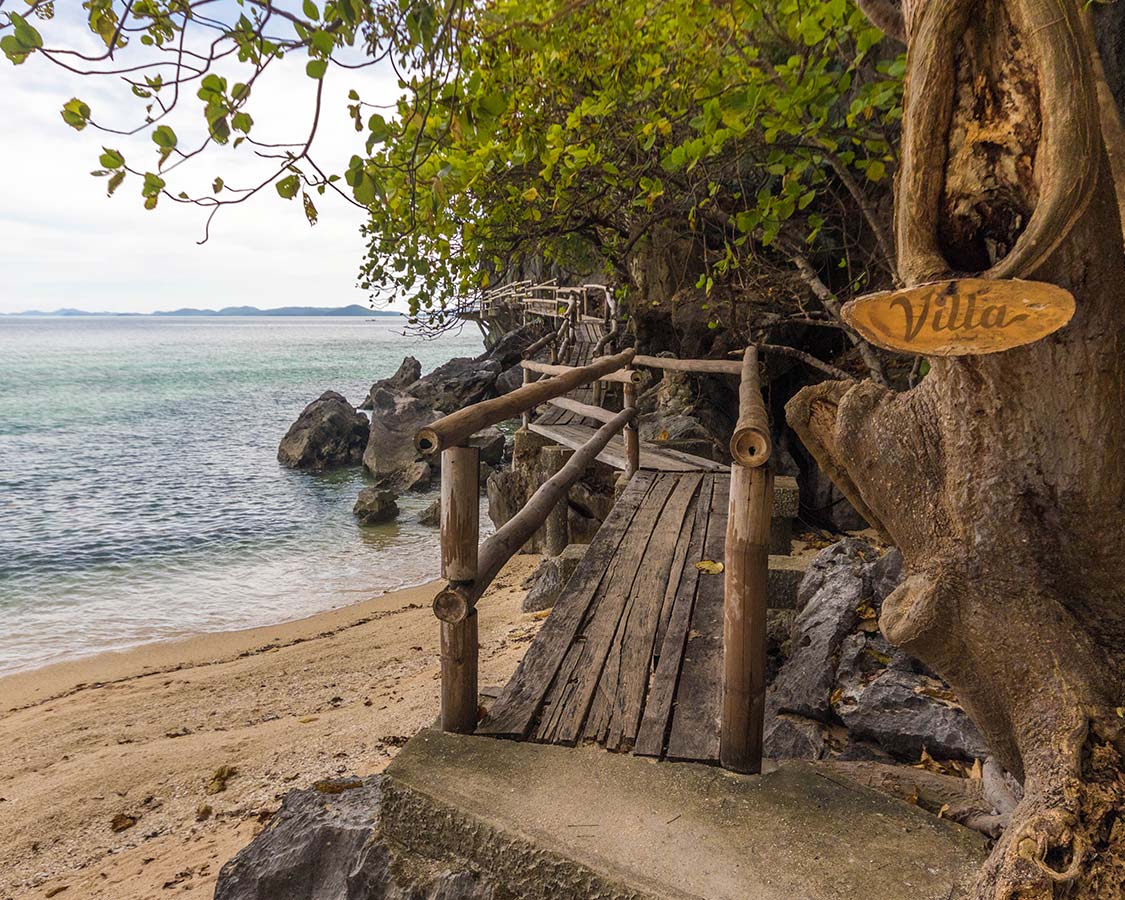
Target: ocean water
x=140, y=494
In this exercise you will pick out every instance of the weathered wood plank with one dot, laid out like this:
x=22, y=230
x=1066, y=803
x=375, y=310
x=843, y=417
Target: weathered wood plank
x=588, y=656
x=695, y=718
x=636, y=652
x=662, y=692
x=512, y=713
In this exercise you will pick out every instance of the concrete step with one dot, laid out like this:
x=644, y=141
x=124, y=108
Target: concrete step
x=550, y=822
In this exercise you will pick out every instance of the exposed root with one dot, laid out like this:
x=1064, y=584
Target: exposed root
x=1066, y=842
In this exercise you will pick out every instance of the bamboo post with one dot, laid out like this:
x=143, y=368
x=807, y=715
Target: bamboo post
x=460, y=537
x=750, y=444
x=557, y=528
x=632, y=438
x=525, y=416
x=744, y=618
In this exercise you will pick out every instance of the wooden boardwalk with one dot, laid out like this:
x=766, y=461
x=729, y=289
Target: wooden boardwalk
x=631, y=656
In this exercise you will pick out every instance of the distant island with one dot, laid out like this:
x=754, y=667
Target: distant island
x=353, y=310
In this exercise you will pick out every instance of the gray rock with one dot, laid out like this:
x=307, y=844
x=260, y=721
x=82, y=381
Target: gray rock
x=411, y=476
x=325, y=843
x=793, y=737
x=833, y=589
x=508, y=349
x=903, y=712
x=431, y=515
x=456, y=384
x=375, y=506
x=328, y=433
x=509, y=380
x=550, y=576
x=409, y=371
x=395, y=419
x=491, y=442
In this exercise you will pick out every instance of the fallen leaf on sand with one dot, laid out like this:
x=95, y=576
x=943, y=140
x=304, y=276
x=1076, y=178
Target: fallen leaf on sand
x=709, y=566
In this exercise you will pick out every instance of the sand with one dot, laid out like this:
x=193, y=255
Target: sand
x=141, y=734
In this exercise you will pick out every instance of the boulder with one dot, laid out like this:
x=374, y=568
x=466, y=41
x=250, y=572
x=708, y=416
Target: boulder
x=431, y=515
x=793, y=737
x=411, y=476
x=547, y=581
x=509, y=380
x=409, y=371
x=456, y=384
x=390, y=454
x=904, y=712
x=325, y=844
x=508, y=349
x=831, y=594
x=328, y=433
x=375, y=506
x=491, y=441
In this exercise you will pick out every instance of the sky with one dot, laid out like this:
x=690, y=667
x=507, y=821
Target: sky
x=64, y=243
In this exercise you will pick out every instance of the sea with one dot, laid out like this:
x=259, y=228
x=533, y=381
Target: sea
x=140, y=494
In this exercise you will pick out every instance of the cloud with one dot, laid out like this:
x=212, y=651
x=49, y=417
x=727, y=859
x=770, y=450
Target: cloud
x=64, y=243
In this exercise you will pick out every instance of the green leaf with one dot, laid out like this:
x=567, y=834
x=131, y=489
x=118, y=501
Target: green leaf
x=316, y=68
x=310, y=9
x=25, y=34
x=76, y=114
x=323, y=41
x=164, y=137
x=364, y=189
x=288, y=186
x=114, y=183
x=111, y=159
x=242, y=122
x=217, y=185
x=13, y=49
x=377, y=125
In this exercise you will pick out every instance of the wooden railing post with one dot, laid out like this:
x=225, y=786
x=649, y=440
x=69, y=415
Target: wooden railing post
x=460, y=537
x=746, y=568
x=557, y=527
x=525, y=416
x=632, y=438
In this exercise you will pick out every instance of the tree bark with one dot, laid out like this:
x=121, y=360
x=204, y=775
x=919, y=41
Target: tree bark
x=1002, y=477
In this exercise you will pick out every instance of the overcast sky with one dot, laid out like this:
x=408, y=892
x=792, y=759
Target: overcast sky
x=63, y=243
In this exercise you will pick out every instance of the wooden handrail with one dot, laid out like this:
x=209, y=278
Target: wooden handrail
x=622, y=376
x=750, y=444
x=455, y=601
x=548, y=338
x=456, y=428
x=700, y=366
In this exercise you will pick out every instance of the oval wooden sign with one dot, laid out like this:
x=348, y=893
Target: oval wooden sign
x=961, y=317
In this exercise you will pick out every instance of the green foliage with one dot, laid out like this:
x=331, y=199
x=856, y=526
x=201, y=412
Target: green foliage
x=573, y=133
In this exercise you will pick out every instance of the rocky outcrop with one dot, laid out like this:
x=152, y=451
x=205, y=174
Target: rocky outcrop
x=409, y=371
x=375, y=506
x=545, y=584
x=325, y=844
x=431, y=515
x=456, y=384
x=329, y=433
x=390, y=454
x=843, y=690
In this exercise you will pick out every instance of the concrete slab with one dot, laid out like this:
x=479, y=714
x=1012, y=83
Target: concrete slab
x=551, y=822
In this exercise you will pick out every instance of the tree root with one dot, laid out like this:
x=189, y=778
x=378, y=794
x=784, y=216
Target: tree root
x=1067, y=840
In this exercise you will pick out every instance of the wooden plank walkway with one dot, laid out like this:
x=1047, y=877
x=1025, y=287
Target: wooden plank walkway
x=631, y=656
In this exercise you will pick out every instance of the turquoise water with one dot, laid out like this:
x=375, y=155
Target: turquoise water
x=140, y=495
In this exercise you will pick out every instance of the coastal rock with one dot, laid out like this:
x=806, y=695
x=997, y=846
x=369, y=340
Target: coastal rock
x=431, y=515
x=509, y=380
x=491, y=441
x=550, y=576
x=328, y=433
x=409, y=371
x=508, y=349
x=390, y=454
x=375, y=506
x=325, y=844
x=456, y=384
x=793, y=737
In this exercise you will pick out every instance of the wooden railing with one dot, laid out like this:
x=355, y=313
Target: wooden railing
x=469, y=566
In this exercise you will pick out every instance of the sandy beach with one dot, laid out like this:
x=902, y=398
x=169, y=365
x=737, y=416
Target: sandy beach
x=112, y=767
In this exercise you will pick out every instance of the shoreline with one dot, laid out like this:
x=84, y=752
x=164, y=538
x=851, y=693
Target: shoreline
x=98, y=668
x=109, y=764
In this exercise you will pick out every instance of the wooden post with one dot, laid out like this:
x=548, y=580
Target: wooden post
x=460, y=538
x=525, y=416
x=556, y=528
x=744, y=618
x=632, y=438
x=459, y=650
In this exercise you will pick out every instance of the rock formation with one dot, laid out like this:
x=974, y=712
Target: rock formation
x=329, y=433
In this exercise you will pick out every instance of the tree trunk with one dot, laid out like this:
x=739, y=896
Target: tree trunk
x=1002, y=477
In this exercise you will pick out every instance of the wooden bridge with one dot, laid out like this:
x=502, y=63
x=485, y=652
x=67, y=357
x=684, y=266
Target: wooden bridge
x=653, y=647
